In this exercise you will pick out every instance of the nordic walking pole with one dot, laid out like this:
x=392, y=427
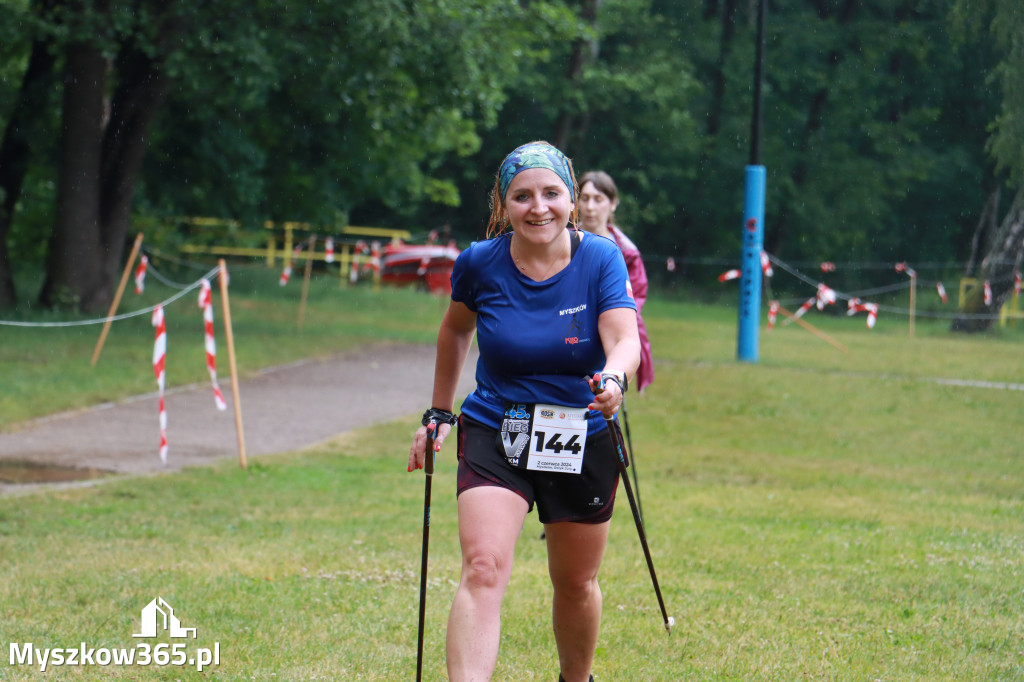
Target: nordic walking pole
x=669, y=621
x=428, y=470
x=632, y=454
x=624, y=475
x=117, y=298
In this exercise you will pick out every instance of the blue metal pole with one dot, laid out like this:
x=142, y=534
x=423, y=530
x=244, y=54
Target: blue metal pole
x=750, y=281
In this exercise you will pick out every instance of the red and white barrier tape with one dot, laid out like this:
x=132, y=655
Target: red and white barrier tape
x=159, y=371
x=286, y=274
x=805, y=307
x=903, y=267
x=140, y=274
x=988, y=293
x=375, y=257
x=773, y=311
x=206, y=303
x=942, y=292
x=828, y=266
x=329, y=250
x=855, y=306
x=735, y=273
x=1016, y=284
x=824, y=297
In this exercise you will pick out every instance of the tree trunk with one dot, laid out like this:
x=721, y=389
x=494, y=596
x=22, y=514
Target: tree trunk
x=72, y=276
x=984, y=231
x=16, y=148
x=100, y=165
x=998, y=268
x=142, y=92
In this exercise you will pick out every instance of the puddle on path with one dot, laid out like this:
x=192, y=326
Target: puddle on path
x=21, y=472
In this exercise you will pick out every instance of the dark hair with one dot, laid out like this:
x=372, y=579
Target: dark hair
x=602, y=182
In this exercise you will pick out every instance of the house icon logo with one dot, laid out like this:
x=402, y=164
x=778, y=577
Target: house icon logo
x=159, y=614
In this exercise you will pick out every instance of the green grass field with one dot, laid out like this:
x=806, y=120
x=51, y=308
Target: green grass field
x=817, y=515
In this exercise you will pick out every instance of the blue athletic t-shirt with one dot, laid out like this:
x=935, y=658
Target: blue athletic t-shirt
x=538, y=340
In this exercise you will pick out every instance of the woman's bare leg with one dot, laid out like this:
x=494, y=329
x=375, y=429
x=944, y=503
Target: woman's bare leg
x=575, y=551
x=490, y=520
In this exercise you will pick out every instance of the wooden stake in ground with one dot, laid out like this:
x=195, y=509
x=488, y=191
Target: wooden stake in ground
x=117, y=298
x=305, y=280
x=814, y=330
x=229, y=336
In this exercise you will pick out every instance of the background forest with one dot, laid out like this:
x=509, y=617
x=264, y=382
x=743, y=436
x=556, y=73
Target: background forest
x=893, y=130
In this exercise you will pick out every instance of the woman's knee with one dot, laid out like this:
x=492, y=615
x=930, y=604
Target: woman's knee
x=484, y=571
x=576, y=587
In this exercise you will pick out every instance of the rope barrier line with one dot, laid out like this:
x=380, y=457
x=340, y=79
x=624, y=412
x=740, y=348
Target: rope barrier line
x=661, y=260
x=116, y=318
x=163, y=279
x=886, y=289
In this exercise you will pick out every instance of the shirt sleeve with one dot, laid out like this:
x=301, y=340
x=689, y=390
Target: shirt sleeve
x=464, y=279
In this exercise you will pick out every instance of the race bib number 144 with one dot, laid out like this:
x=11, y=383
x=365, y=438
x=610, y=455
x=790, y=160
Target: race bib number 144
x=545, y=437
x=558, y=439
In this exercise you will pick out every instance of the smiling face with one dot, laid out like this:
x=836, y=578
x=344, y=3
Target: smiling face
x=595, y=209
x=538, y=205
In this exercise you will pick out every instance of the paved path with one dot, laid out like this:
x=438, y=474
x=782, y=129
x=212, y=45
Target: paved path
x=283, y=408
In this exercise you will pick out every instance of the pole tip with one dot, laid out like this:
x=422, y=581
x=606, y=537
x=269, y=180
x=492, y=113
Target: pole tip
x=669, y=624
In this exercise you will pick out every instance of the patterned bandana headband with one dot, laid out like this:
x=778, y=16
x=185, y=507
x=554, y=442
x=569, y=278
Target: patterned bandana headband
x=535, y=155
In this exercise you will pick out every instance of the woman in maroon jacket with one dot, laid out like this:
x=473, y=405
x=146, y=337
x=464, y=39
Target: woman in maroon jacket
x=597, y=201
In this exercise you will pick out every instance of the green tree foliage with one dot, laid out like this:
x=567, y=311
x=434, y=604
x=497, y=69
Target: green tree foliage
x=873, y=133
x=999, y=24
x=273, y=111
x=979, y=22
x=339, y=104
x=876, y=115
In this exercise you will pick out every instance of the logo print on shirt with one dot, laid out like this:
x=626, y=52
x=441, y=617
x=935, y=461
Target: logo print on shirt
x=575, y=327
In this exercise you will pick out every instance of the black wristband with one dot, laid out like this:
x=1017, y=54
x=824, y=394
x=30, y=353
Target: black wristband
x=439, y=416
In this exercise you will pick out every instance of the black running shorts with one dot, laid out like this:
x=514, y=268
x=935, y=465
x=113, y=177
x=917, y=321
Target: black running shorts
x=586, y=497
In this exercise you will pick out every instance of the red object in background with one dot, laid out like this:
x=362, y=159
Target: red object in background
x=729, y=274
x=430, y=264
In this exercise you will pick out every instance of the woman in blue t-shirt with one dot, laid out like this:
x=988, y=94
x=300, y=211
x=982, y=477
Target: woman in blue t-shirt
x=555, y=319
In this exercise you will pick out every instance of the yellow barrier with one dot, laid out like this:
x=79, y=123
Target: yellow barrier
x=1008, y=312
x=966, y=284
x=345, y=253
